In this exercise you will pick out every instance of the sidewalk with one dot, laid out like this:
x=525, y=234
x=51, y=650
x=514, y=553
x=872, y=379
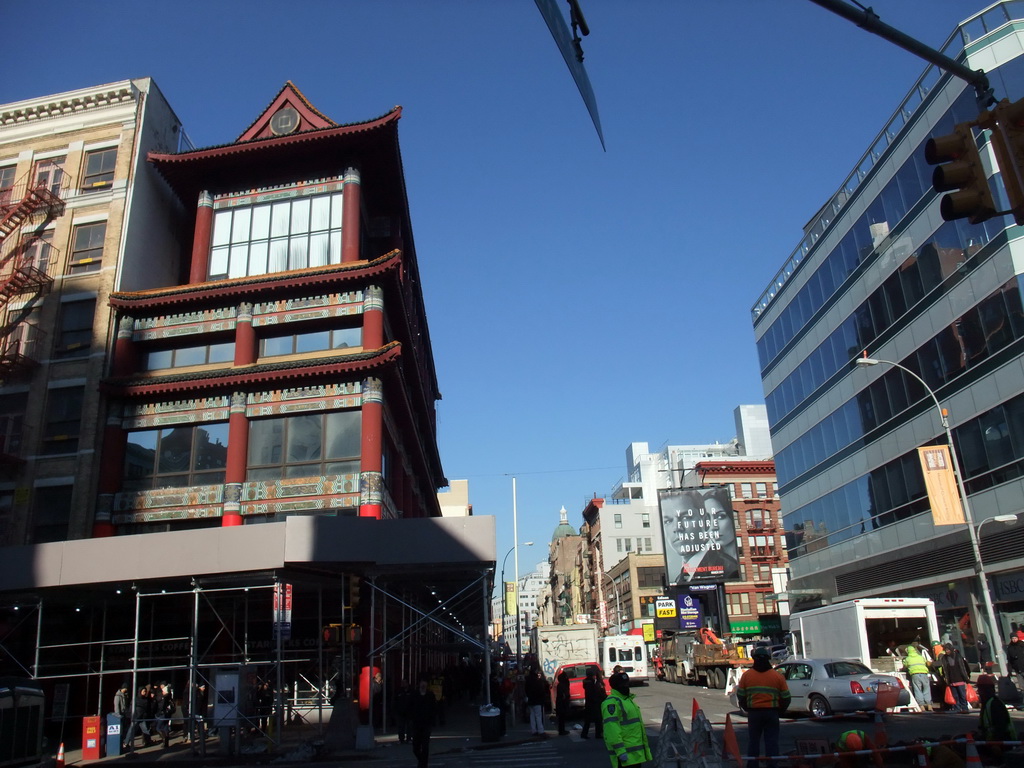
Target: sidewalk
x=298, y=745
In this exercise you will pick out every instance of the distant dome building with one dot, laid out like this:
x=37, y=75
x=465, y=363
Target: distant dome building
x=563, y=528
x=563, y=592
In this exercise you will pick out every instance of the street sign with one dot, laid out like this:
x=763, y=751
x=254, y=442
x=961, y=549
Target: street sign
x=665, y=608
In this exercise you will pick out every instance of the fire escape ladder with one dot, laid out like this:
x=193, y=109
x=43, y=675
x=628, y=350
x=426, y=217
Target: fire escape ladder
x=20, y=203
x=36, y=198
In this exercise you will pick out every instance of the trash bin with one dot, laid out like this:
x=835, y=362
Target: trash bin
x=113, y=742
x=490, y=723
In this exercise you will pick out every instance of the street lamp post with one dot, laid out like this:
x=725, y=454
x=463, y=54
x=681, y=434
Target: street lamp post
x=504, y=614
x=979, y=568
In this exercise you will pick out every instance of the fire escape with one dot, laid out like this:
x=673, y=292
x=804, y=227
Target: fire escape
x=25, y=209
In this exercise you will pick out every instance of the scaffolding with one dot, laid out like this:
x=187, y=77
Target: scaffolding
x=83, y=640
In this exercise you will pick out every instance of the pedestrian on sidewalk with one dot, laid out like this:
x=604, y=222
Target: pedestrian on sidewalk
x=403, y=710
x=957, y=676
x=423, y=710
x=121, y=710
x=562, y=697
x=140, y=720
x=1015, y=660
x=593, y=694
x=536, y=692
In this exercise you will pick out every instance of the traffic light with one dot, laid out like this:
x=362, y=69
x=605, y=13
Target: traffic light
x=1007, y=126
x=961, y=173
x=332, y=635
x=355, y=585
x=353, y=633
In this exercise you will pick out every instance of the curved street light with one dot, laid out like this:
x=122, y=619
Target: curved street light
x=505, y=560
x=973, y=532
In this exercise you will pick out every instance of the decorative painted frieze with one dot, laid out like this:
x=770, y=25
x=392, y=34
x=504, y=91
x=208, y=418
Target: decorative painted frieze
x=344, y=504
x=166, y=515
x=147, y=415
x=193, y=496
x=188, y=324
x=269, y=194
x=328, y=397
x=325, y=486
x=269, y=313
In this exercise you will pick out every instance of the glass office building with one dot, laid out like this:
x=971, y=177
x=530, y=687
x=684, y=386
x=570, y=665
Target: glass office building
x=879, y=270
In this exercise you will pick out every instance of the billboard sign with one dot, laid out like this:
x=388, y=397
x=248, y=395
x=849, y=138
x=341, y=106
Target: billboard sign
x=700, y=535
x=691, y=617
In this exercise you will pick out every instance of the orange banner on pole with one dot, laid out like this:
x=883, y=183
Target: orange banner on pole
x=939, y=481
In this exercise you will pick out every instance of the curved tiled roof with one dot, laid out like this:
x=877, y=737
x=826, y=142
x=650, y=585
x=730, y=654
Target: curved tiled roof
x=372, y=145
x=257, y=285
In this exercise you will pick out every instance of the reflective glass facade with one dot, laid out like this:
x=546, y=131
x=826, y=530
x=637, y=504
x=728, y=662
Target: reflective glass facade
x=880, y=271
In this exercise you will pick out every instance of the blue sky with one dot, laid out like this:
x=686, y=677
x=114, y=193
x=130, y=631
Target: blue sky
x=578, y=299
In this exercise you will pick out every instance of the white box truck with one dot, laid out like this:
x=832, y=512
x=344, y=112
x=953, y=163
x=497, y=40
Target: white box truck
x=865, y=630
x=558, y=644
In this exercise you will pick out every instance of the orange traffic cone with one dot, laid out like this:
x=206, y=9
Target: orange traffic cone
x=972, y=754
x=732, y=746
x=60, y=756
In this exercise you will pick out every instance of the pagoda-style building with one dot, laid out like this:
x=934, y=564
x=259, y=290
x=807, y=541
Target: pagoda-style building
x=252, y=402
x=290, y=371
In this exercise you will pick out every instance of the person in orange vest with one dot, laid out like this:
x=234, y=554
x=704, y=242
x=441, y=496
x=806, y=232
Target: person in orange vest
x=764, y=695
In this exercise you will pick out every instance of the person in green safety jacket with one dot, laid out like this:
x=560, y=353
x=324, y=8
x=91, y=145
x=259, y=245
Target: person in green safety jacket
x=853, y=741
x=995, y=723
x=916, y=662
x=624, y=734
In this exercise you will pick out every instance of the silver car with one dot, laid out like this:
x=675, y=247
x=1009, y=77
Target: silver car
x=824, y=686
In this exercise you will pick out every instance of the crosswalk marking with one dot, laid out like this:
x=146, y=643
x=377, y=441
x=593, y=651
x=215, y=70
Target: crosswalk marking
x=542, y=755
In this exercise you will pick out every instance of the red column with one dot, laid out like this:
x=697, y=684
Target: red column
x=238, y=453
x=371, y=449
x=115, y=444
x=245, y=336
x=351, y=216
x=125, y=362
x=200, y=265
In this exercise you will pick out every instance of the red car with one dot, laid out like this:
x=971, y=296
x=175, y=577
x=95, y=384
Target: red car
x=577, y=674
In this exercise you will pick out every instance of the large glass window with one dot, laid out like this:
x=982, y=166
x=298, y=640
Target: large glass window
x=309, y=445
x=277, y=236
x=176, y=457
x=885, y=212
x=314, y=341
x=186, y=356
x=980, y=332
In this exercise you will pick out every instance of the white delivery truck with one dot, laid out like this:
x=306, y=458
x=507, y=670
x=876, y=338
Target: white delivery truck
x=558, y=644
x=627, y=651
x=865, y=630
